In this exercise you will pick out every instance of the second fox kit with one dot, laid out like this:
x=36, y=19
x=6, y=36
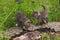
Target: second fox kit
x=41, y=16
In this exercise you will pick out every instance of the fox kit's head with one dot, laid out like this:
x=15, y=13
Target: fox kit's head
x=36, y=14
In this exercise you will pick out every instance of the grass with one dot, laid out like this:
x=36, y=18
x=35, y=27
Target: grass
x=8, y=9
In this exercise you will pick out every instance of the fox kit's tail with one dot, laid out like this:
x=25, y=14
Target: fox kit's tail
x=44, y=7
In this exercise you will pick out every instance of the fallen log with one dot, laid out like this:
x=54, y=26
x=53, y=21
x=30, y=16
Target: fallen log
x=17, y=30
x=36, y=35
x=52, y=25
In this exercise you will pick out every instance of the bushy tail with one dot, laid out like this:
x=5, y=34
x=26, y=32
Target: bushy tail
x=44, y=7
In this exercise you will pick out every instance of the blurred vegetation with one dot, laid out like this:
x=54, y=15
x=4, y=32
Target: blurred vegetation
x=8, y=9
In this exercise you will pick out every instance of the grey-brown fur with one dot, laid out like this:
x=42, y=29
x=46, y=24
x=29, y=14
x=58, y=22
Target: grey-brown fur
x=21, y=19
x=41, y=16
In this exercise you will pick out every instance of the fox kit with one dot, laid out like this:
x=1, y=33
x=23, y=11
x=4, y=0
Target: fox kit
x=22, y=20
x=41, y=16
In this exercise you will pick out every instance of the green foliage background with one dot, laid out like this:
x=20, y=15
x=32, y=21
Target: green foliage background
x=8, y=9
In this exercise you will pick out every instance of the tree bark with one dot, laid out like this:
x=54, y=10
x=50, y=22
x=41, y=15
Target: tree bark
x=17, y=30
